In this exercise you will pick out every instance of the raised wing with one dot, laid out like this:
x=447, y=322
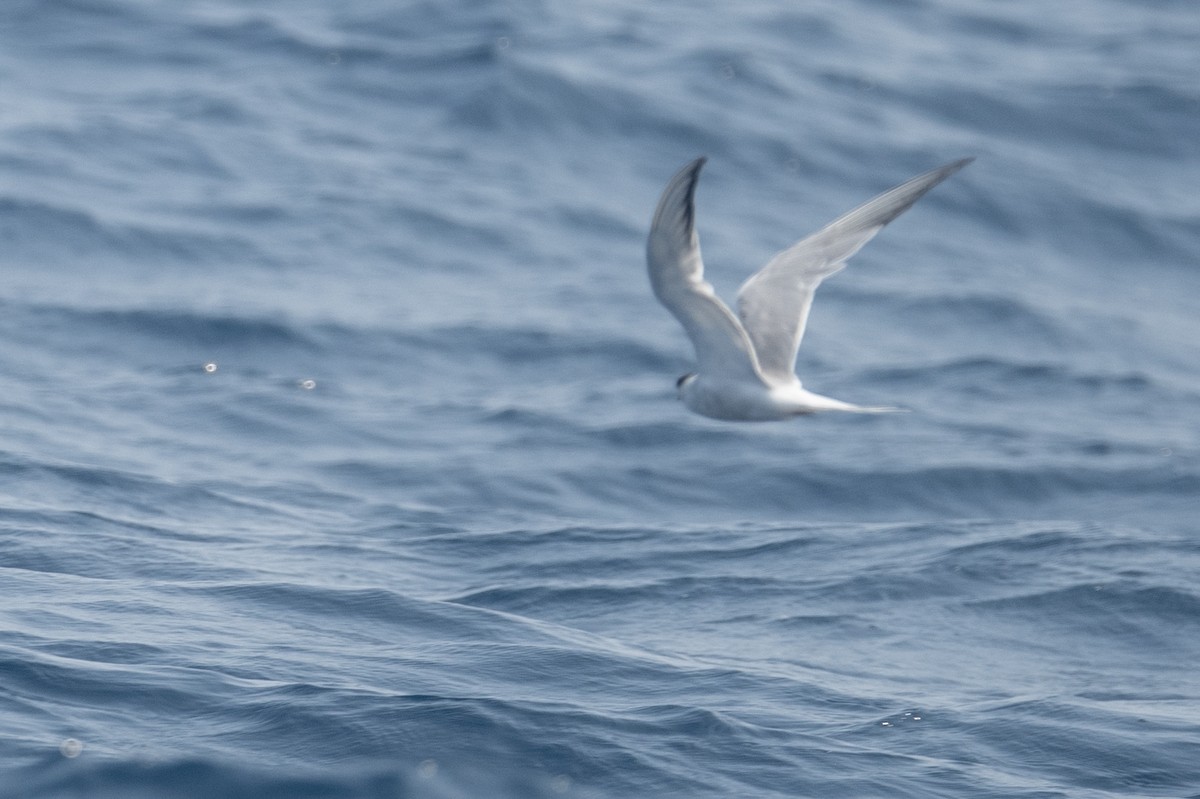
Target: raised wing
x=774, y=303
x=723, y=349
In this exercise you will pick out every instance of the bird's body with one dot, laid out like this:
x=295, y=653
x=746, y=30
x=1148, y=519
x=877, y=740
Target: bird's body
x=744, y=401
x=746, y=362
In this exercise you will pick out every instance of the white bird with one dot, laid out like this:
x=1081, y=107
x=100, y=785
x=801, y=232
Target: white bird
x=746, y=363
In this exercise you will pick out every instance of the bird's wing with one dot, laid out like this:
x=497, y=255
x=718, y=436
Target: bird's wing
x=723, y=350
x=774, y=303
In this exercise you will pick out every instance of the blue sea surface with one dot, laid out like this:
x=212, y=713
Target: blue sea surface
x=339, y=448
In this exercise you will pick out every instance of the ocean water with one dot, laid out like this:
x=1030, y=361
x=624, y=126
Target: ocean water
x=339, y=447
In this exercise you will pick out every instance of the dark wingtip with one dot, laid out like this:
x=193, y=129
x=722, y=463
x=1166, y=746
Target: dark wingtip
x=677, y=204
x=693, y=172
x=692, y=168
x=954, y=166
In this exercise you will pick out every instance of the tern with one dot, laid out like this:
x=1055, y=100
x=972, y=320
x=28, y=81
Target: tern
x=746, y=363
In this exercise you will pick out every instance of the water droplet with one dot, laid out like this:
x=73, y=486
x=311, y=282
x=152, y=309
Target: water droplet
x=210, y=367
x=428, y=768
x=308, y=385
x=71, y=747
x=503, y=42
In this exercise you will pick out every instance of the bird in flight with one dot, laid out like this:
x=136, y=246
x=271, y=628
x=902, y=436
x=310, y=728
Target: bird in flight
x=746, y=363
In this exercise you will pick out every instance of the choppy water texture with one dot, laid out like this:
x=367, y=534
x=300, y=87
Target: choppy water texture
x=431, y=522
